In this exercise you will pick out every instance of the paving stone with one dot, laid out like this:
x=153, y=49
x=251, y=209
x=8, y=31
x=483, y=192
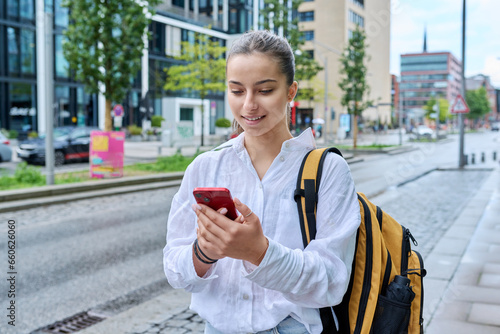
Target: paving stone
x=451, y=246
x=442, y=266
x=456, y=310
x=490, y=280
x=492, y=268
x=445, y=326
x=485, y=314
x=477, y=294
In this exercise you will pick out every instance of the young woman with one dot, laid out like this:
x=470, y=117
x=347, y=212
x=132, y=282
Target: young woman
x=253, y=274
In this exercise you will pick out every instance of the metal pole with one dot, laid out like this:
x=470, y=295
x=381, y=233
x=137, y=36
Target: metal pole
x=400, y=116
x=325, y=60
x=461, y=160
x=437, y=118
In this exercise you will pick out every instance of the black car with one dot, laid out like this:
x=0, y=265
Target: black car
x=70, y=144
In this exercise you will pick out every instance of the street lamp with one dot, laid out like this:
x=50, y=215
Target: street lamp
x=325, y=62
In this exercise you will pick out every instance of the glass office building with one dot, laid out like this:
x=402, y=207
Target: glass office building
x=429, y=74
x=175, y=21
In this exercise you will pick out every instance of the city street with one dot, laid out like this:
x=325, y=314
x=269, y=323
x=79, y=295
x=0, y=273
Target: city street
x=105, y=254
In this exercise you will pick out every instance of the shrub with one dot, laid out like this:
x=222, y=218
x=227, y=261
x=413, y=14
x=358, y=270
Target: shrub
x=26, y=174
x=134, y=130
x=156, y=121
x=33, y=134
x=13, y=134
x=223, y=123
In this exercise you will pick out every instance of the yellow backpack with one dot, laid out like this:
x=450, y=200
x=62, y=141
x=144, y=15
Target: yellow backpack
x=383, y=253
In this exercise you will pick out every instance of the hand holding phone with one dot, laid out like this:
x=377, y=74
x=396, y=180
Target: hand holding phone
x=216, y=198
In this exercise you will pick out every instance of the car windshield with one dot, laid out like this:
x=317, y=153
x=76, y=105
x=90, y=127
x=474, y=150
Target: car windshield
x=59, y=133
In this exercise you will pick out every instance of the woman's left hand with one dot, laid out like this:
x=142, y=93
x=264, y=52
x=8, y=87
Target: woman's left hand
x=221, y=237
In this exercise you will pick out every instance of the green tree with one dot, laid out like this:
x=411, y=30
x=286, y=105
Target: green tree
x=203, y=70
x=104, y=44
x=276, y=16
x=353, y=82
x=478, y=103
x=443, y=108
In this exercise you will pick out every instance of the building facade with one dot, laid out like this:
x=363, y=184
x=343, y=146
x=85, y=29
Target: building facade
x=428, y=75
x=175, y=21
x=328, y=25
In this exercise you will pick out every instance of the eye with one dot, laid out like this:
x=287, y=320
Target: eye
x=266, y=91
x=236, y=92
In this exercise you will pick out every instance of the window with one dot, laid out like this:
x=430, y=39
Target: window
x=306, y=16
x=20, y=9
x=157, y=43
x=360, y=3
x=28, y=52
x=61, y=64
x=309, y=35
x=61, y=14
x=186, y=114
x=13, y=50
x=22, y=106
x=356, y=19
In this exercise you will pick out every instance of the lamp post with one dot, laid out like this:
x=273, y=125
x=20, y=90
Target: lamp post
x=325, y=68
x=461, y=160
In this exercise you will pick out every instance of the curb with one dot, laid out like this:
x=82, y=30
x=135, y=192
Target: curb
x=19, y=199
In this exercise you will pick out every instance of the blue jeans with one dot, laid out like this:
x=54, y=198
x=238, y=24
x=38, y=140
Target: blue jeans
x=288, y=326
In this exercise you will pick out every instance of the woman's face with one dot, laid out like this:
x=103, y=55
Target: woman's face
x=258, y=94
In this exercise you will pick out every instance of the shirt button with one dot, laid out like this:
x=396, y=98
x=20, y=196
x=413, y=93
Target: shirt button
x=260, y=186
x=245, y=296
x=287, y=145
x=282, y=158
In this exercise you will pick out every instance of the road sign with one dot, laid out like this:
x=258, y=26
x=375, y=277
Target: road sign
x=459, y=106
x=118, y=110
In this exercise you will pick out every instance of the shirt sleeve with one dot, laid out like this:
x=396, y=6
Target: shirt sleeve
x=318, y=276
x=181, y=233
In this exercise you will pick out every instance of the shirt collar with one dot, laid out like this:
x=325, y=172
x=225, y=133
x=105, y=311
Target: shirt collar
x=304, y=140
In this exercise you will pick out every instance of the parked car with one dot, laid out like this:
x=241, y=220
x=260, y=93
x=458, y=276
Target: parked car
x=70, y=144
x=5, y=149
x=495, y=126
x=423, y=131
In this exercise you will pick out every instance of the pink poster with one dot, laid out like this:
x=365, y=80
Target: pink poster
x=106, y=154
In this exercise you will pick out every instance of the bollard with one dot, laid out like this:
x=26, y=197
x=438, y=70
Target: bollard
x=483, y=157
x=494, y=155
x=473, y=159
x=466, y=159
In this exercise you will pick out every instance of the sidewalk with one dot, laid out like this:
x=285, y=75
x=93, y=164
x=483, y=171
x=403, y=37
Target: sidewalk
x=462, y=287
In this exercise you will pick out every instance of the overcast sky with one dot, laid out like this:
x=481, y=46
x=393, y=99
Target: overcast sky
x=443, y=19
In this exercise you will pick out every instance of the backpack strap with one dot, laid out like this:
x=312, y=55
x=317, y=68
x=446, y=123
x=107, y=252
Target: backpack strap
x=306, y=197
x=306, y=192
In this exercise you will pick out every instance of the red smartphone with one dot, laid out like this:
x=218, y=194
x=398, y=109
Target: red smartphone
x=216, y=198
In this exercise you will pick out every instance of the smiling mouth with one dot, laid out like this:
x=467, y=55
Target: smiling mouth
x=253, y=118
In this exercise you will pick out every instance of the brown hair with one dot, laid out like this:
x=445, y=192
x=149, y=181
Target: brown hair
x=272, y=45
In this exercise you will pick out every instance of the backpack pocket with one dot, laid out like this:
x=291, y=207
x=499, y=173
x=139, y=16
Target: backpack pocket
x=391, y=316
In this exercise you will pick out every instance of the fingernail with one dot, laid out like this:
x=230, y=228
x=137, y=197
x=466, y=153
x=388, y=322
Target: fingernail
x=196, y=207
x=237, y=201
x=223, y=211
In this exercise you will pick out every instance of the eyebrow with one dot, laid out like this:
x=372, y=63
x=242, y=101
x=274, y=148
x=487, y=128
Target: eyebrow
x=256, y=84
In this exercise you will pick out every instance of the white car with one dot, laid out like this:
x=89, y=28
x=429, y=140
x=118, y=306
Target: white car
x=5, y=149
x=423, y=131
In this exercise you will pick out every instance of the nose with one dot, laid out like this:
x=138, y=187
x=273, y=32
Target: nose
x=250, y=102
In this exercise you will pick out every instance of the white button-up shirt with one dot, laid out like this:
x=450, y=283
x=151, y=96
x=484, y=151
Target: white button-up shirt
x=237, y=297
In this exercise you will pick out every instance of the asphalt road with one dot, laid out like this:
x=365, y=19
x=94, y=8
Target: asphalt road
x=105, y=254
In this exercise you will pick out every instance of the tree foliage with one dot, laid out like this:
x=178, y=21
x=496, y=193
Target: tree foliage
x=478, y=103
x=104, y=44
x=202, y=70
x=277, y=16
x=353, y=82
x=444, y=106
